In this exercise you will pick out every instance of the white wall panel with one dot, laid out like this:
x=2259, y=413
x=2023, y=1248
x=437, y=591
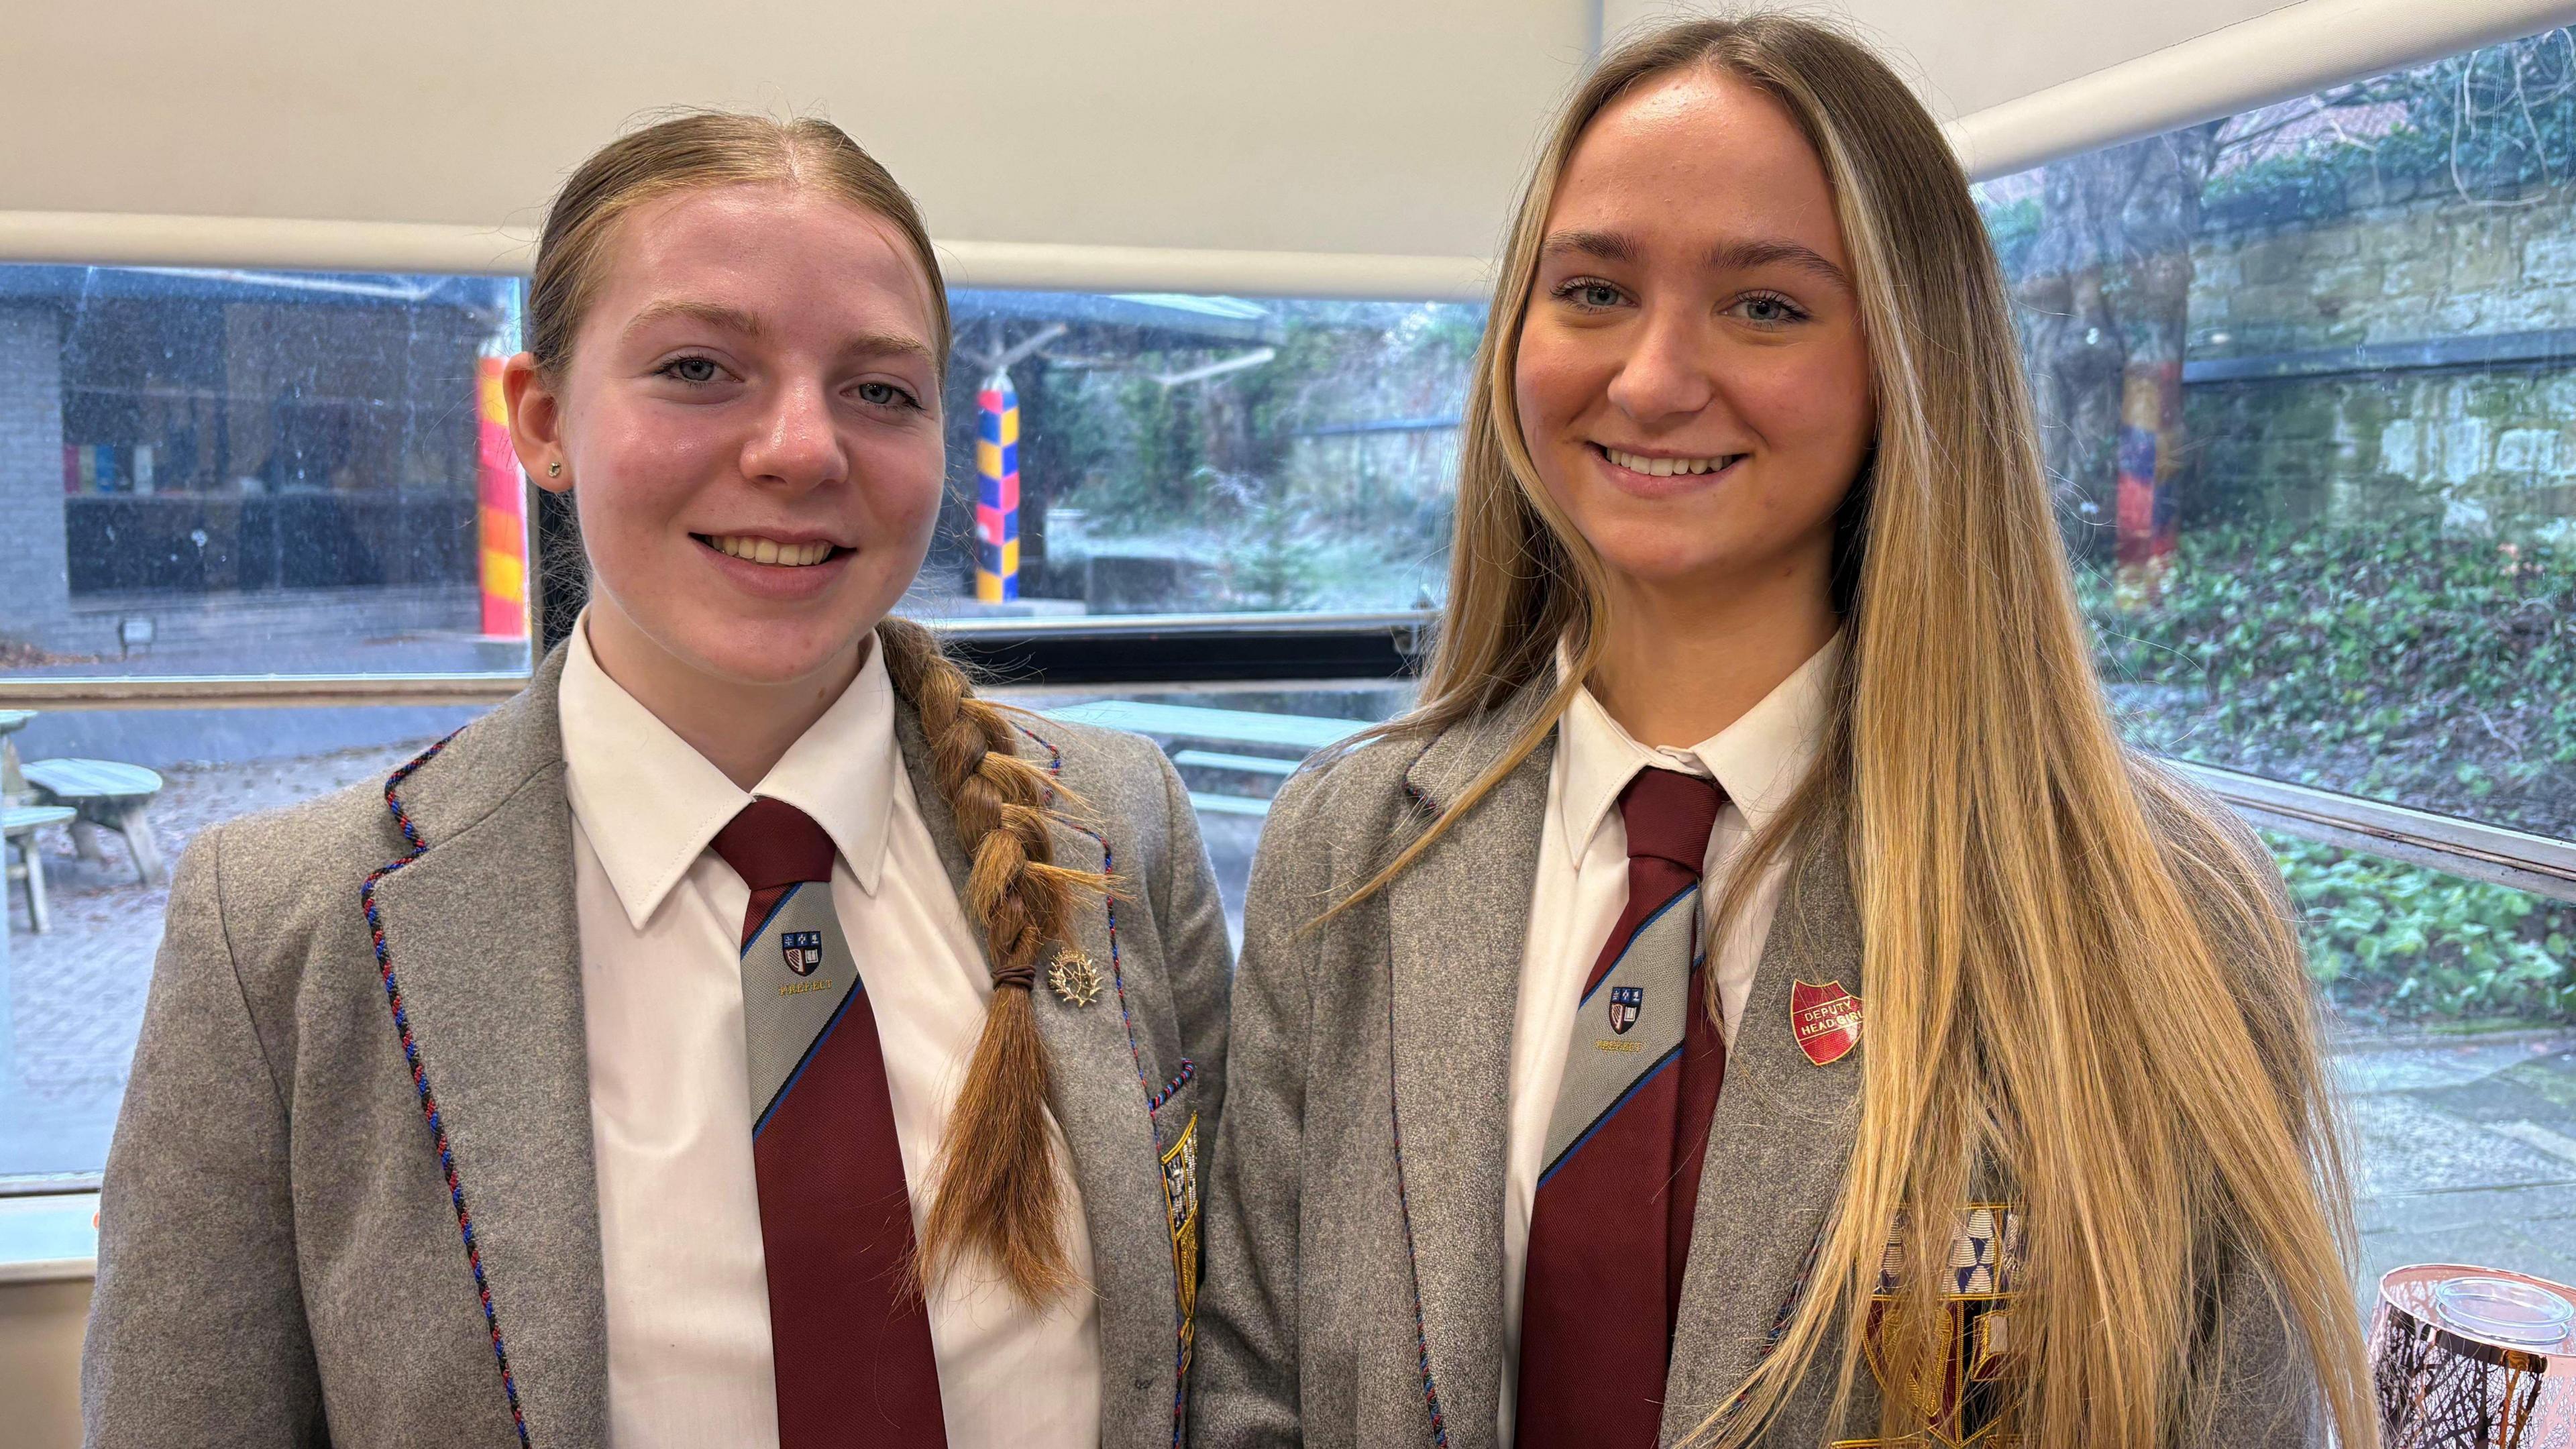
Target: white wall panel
x=1352, y=126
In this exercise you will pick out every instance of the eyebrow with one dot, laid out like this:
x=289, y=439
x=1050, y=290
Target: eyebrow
x=1739, y=256
x=732, y=319
x=1732, y=256
x=735, y=319
x=1608, y=246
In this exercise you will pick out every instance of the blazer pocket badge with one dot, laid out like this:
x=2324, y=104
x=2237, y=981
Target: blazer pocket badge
x=1181, y=1211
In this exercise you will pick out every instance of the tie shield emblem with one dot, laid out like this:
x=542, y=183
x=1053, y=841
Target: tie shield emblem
x=1826, y=1020
x=1627, y=1003
x=803, y=950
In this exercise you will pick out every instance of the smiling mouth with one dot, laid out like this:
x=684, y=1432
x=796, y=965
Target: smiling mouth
x=1665, y=467
x=751, y=548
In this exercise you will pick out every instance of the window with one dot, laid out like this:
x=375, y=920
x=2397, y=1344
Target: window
x=228, y=473
x=1183, y=454
x=2308, y=390
x=218, y=485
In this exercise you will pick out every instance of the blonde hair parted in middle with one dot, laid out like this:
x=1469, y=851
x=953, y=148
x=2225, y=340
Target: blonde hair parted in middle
x=2046, y=1004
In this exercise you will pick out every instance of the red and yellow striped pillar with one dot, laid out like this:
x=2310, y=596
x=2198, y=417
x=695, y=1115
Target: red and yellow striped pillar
x=502, y=492
x=997, y=490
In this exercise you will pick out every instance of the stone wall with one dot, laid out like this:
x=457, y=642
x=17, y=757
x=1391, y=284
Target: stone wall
x=2485, y=442
x=35, y=590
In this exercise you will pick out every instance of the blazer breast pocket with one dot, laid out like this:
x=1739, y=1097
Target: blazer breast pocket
x=1176, y=1136
x=1963, y=1386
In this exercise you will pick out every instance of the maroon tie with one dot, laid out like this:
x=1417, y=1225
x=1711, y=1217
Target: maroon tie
x=849, y=1335
x=1610, y=1229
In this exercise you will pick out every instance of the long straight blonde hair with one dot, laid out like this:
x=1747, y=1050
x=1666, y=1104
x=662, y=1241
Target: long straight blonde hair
x=2078, y=982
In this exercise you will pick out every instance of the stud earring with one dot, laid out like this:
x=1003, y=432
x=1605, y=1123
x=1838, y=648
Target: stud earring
x=555, y=468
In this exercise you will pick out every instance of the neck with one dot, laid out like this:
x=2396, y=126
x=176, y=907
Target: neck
x=1685, y=661
x=742, y=728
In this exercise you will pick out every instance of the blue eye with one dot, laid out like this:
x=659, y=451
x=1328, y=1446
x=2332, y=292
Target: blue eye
x=691, y=369
x=1590, y=293
x=1769, y=309
x=886, y=395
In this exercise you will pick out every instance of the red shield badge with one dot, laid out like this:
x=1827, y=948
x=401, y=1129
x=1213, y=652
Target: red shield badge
x=1826, y=1020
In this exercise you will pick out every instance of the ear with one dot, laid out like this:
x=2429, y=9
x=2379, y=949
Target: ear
x=536, y=422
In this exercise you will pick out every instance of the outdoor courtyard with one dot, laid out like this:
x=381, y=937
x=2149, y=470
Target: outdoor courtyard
x=2465, y=1146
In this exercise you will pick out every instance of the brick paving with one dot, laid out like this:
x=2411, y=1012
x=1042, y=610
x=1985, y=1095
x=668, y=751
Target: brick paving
x=77, y=991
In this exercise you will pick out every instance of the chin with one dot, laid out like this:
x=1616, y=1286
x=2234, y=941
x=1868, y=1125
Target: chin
x=767, y=651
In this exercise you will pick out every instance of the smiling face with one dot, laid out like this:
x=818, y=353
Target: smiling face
x=1691, y=378
x=750, y=414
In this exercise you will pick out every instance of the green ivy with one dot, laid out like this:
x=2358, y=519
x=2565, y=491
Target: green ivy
x=2392, y=662
x=2394, y=941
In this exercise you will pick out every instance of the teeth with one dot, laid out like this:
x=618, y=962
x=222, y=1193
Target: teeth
x=1666, y=467
x=770, y=550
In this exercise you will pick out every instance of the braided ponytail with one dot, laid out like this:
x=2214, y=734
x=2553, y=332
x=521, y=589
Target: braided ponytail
x=1001, y=1195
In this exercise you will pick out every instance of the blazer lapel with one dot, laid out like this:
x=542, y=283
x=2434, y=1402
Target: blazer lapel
x=1457, y=923
x=1777, y=1149
x=478, y=929
x=1098, y=1079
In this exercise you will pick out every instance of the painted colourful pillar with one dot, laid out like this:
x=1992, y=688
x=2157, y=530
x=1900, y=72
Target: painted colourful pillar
x=502, y=512
x=2150, y=419
x=997, y=490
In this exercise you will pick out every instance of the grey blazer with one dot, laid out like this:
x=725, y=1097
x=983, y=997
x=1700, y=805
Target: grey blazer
x=284, y=1259
x=1355, y=1201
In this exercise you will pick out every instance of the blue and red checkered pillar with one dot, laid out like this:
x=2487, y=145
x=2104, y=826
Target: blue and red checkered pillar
x=997, y=490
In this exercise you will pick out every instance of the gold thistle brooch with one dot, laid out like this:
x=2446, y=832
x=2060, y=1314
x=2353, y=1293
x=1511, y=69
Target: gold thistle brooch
x=1075, y=979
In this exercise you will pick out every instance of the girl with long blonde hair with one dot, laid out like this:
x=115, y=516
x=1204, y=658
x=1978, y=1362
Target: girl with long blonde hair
x=1755, y=998
x=744, y=1036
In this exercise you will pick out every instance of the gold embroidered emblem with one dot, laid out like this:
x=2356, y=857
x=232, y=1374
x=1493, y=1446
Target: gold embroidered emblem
x=1963, y=1387
x=1181, y=1210
x=1075, y=979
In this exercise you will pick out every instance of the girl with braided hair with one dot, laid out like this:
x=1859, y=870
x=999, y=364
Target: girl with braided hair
x=746, y=1035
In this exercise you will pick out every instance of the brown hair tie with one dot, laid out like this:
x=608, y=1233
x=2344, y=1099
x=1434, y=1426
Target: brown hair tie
x=1023, y=977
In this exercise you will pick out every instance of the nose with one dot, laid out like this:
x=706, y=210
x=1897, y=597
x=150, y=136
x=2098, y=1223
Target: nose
x=796, y=445
x=1670, y=374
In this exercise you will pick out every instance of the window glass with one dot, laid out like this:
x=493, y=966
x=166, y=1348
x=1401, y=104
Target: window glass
x=1186, y=454
x=248, y=472
x=2308, y=382
x=1234, y=749
x=71, y=997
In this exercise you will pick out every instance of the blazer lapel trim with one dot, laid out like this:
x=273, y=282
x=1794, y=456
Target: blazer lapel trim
x=420, y=1073
x=1457, y=923
x=1180, y=1217
x=478, y=959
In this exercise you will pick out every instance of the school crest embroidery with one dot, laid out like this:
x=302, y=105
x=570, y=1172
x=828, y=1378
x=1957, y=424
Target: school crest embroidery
x=1627, y=1003
x=803, y=950
x=1962, y=1385
x=1181, y=1210
x=1825, y=1019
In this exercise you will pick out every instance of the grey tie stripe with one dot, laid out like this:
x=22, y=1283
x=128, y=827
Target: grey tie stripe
x=1603, y=1064
x=785, y=1011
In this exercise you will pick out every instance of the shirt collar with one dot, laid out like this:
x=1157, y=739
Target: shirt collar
x=1758, y=760
x=651, y=804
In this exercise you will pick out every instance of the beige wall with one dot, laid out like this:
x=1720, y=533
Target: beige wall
x=40, y=1339
x=1964, y=61
x=1381, y=126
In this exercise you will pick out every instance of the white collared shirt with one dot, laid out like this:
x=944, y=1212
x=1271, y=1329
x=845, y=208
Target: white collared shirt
x=689, y=1359
x=1583, y=883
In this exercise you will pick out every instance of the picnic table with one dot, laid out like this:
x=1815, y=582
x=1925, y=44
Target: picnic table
x=1201, y=726
x=19, y=822
x=104, y=795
